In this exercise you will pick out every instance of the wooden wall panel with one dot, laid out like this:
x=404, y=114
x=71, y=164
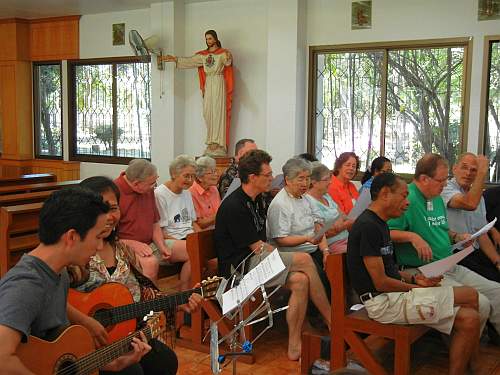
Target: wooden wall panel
x=8, y=40
x=8, y=103
x=55, y=38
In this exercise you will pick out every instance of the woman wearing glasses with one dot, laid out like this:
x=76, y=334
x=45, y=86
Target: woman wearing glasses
x=204, y=191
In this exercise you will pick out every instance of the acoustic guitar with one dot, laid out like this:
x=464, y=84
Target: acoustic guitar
x=112, y=305
x=73, y=352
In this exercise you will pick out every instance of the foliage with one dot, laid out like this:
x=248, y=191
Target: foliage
x=422, y=104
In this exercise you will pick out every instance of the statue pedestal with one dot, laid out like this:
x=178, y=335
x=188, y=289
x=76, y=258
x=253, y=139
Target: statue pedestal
x=222, y=163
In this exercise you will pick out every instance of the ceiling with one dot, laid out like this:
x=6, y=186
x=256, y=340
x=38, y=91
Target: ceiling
x=53, y=8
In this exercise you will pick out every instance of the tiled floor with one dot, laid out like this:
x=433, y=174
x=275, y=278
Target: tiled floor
x=429, y=357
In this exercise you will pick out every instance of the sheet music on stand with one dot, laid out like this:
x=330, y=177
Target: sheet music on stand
x=268, y=268
x=364, y=200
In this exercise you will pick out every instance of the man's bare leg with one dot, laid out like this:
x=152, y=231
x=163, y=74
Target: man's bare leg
x=467, y=297
x=302, y=262
x=464, y=340
x=298, y=284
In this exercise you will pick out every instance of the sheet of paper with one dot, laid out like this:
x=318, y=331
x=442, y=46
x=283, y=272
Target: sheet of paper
x=235, y=184
x=362, y=204
x=278, y=182
x=326, y=226
x=480, y=232
x=269, y=267
x=440, y=267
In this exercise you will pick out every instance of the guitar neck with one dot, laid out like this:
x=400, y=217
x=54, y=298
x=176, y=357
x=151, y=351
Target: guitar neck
x=93, y=361
x=140, y=309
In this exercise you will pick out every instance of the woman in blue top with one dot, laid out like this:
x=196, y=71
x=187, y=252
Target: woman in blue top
x=318, y=195
x=379, y=165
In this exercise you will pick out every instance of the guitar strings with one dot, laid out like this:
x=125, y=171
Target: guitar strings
x=100, y=357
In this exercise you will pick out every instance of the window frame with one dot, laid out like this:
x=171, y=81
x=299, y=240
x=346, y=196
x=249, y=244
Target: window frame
x=36, y=110
x=72, y=115
x=386, y=47
x=485, y=96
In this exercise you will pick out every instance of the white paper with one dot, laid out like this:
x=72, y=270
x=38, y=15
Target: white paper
x=480, y=232
x=269, y=267
x=441, y=266
x=362, y=204
x=326, y=226
x=235, y=184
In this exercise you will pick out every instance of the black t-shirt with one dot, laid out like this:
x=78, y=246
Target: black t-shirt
x=369, y=236
x=492, y=202
x=240, y=221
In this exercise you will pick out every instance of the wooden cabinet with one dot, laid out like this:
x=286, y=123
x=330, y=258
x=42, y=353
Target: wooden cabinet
x=21, y=42
x=15, y=90
x=54, y=38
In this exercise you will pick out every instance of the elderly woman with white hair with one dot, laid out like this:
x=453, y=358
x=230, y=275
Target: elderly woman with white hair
x=177, y=214
x=206, y=198
x=292, y=220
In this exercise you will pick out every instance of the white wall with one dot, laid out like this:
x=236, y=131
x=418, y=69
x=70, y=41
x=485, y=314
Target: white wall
x=241, y=26
x=270, y=92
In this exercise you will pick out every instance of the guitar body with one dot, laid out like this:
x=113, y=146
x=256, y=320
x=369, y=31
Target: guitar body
x=48, y=357
x=105, y=297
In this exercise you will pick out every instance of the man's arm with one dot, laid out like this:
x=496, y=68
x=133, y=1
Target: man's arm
x=421, y=246
x=382, y=282
x=489, y=249
x=98, y=332
x=496, y=236
x=11, y=364
x=158, y=239
x=470, y=200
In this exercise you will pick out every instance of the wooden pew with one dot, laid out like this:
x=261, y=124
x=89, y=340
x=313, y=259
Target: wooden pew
x=347, y=325
x=29, y=188
x=28, y=179
x=24, y=198
x=200, y=248
x=18, y=233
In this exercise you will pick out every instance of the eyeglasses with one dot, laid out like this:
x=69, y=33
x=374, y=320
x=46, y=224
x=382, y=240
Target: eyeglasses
x=211, y=171
x=188, y=176
x=441, y=181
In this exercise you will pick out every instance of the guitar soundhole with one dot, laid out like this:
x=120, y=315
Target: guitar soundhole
x=66, y=365
x=104, y=317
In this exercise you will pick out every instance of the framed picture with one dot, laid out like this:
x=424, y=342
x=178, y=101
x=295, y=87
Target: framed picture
x=488, y=10
x=361, y=15
x=118, y=34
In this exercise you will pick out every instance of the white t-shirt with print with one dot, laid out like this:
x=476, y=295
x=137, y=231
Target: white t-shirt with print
x=177, y=212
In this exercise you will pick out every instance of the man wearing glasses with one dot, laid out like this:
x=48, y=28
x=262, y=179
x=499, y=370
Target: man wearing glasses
x=240, y=237
x=422, y=234
x=139, y=223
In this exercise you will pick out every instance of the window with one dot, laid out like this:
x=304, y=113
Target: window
x=47, y=101
x=400, y=102
x=110, y=115
x=491, y=108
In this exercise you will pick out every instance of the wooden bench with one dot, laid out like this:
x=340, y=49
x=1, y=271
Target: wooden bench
x=29, y=188
x=200, y=248
x=28, y=179
x=18, y=233
x=24, y=198
x=347, y=325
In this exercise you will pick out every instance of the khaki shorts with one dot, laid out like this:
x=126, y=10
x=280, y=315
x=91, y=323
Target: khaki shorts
x=433, y=307
x=287, y=259
x=157, y=253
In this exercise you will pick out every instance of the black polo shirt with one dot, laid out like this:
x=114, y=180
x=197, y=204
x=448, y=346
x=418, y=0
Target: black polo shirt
x=240, y=221
x=369, y=236
x=492, y=203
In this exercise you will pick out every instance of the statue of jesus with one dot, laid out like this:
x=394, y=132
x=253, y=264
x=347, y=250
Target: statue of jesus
x=215, y=72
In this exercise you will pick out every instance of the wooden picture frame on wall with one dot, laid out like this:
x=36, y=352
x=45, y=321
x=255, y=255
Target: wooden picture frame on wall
x=118, y=34
x=361, y=15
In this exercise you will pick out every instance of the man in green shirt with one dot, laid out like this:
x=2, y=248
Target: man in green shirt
x=422, y=235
